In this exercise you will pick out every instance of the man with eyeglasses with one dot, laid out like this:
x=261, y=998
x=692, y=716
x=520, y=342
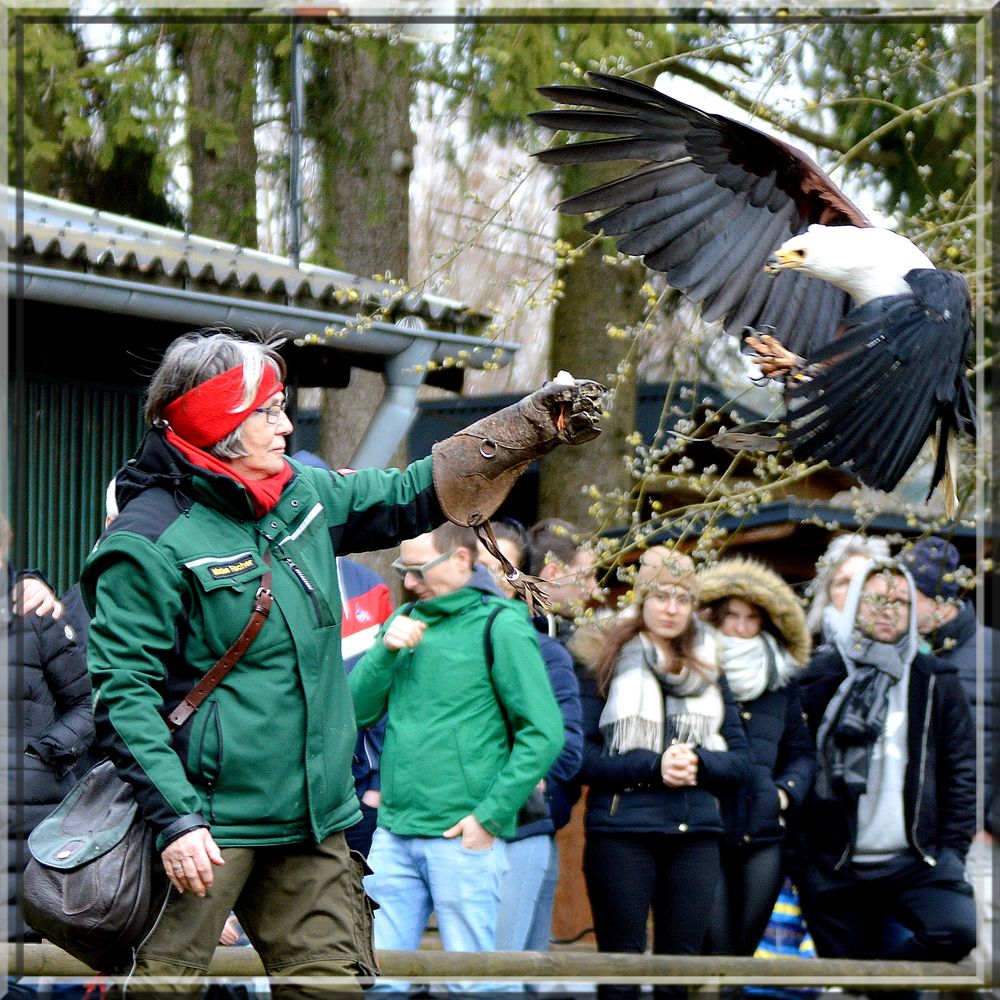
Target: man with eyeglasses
x=892, y=811
x=472, y=727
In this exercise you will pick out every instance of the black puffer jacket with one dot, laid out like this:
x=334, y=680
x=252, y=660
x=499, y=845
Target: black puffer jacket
x=627, y=793
x=50, y=724
x=939, y=790
x=782, y=755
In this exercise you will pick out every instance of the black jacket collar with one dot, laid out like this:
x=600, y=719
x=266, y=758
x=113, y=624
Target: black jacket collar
x=157, y=464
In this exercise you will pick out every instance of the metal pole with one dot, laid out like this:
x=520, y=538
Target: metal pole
x=295, y=165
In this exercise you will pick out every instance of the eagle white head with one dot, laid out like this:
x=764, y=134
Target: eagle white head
x=865, y=262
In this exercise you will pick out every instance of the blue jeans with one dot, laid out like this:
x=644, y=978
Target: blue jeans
x=33, y=989
x=414, y=875
x=541, y=927
x=528, y=863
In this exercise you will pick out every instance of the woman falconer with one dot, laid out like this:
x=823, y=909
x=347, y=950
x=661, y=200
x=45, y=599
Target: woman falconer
x=249, y=798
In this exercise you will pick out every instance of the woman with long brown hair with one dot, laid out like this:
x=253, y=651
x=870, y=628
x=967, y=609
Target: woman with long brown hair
x=662, y=739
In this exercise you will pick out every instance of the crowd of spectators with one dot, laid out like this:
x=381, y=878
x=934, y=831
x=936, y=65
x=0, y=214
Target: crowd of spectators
x=725, y=740
x=723, y=749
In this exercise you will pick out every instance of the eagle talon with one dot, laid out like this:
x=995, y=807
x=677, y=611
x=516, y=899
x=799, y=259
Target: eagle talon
x=774, y=360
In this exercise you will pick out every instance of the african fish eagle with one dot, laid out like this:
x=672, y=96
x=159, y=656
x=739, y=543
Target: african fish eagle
x=741, y=222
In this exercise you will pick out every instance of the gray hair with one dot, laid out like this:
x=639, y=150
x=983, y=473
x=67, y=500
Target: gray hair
x=838, y=551
x=198, y=357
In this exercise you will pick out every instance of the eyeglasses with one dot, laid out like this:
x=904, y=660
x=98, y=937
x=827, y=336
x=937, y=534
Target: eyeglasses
x=882, y=603
x=418, y=571
x=273, y=412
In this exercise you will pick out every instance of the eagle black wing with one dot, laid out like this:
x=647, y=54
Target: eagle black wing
x=876, y=400
x=713, y=201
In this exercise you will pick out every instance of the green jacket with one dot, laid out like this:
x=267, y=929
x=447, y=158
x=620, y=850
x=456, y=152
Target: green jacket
x=458, y=741
x=267, y=757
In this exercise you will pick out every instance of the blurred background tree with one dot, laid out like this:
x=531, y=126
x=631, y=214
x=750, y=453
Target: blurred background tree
x=188, y=124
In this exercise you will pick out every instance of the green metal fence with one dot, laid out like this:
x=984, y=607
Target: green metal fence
x=74, y=437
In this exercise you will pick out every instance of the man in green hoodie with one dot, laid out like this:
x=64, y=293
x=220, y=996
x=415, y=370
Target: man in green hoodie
x=472, y=727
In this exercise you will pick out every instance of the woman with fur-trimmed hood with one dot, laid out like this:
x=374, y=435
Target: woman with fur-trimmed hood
x=662, y=743
x=764, y=642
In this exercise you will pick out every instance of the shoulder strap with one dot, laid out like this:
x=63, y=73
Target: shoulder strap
x=208, y=683
x=488, y=652
x=488, y=639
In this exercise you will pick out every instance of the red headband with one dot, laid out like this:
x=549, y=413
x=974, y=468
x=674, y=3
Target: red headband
x=207, y=413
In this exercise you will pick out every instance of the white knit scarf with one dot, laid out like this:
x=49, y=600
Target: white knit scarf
x=753, y=666
x=648, y=710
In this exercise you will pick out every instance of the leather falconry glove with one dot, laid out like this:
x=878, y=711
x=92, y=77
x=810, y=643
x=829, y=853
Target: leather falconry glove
x=475, y=469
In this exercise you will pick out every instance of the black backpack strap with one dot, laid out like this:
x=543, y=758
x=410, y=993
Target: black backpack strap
x=404, y=610
x=488, y=652
x=488, y=638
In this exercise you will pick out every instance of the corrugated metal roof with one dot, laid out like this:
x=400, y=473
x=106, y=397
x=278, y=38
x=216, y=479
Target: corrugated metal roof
x=88, y=237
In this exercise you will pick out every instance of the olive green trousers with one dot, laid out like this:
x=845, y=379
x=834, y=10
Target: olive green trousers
x=302, y=906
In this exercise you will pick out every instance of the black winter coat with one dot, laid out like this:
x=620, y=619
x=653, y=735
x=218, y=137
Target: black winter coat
x=627, y=793
x=50, y=724
x=562, y=792
x=955, y=643
x=939, y=789
x=782, y=755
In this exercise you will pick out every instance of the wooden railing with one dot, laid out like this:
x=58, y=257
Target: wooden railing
x=703, y=973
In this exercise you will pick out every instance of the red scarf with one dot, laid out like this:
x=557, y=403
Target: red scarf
x=264, y=493
x=210, y=411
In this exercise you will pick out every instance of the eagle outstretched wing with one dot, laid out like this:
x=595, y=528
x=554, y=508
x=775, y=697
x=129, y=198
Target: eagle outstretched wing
x=874, y=399
x=711, y=203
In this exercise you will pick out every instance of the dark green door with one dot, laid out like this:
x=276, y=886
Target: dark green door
x=70, y=439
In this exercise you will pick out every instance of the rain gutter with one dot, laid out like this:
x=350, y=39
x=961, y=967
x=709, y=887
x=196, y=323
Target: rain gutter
x=406, y=347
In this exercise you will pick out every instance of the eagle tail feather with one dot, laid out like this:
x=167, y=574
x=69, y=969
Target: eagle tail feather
x=946, y=465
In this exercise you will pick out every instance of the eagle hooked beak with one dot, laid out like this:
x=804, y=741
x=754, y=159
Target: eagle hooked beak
x=783, y=259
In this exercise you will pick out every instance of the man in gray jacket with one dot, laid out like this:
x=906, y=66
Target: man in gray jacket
x=948, y=630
